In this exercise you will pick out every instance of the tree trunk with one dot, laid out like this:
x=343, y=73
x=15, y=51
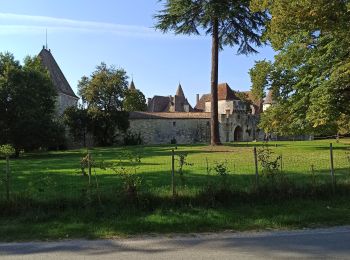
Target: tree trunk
x=215, y=136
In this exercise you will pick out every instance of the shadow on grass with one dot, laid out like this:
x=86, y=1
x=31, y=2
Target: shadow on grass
x=25, y=219
x=64, y=180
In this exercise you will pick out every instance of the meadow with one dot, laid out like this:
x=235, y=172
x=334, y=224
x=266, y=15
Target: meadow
x=50, y=197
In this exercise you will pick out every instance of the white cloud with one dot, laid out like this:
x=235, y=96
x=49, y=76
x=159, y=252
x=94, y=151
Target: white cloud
x=12, y=24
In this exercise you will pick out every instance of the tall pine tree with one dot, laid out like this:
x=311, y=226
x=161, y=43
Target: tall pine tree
x=229, y=22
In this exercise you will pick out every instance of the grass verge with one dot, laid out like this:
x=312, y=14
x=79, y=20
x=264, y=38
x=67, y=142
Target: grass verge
x=26, y=220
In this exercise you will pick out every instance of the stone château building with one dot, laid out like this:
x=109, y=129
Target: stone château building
x=177, y=103
x=65, y=94
x=172, y=119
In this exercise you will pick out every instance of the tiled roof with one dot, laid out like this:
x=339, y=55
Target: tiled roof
x=169, y=115
x=256, y=103
x=201, y=103
x=57, y=76
x=224, y=93
x=269, y=97
x=251, y=98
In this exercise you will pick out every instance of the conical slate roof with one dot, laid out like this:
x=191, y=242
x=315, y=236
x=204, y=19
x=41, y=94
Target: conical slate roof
x=179, y=91
x=132, y=85
x=57, y=76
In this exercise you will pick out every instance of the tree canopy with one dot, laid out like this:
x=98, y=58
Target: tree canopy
x=229, y=22
x=134, y=101
x=103, y=94
x=311, y=71
x=27, y=104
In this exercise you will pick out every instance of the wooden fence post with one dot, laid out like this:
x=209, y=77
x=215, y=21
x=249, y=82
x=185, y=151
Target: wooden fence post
x=281, y=163
x=7, y=178
x=89, y=166
x=256, y=167
x=173, y=172
x=332, y=166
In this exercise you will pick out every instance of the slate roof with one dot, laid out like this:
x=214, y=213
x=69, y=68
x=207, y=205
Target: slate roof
x=132, y=85
x=179, y=91
x=169, y=115
x=172, y=104
x=224, y=93
x=159, y=104
x=58, y=79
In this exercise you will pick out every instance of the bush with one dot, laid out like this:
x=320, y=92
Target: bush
x=182, y=160
x=270, y=164
x=131, y=181
x=133, y=139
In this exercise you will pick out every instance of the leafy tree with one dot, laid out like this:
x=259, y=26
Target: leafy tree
x=344, y=124
x=103, y=93
x=77, y=120
x=27, y=104
x=259, y=78
x=229, y=22
x=311, y=72
x=134, y=101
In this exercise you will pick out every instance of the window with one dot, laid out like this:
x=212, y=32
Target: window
x=174, y=123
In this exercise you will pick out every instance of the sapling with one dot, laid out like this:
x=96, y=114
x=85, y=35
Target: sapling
x=6, y=151
x=182, y=159
x=221, y=169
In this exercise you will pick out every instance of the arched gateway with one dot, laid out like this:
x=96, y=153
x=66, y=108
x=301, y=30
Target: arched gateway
x=238, y=134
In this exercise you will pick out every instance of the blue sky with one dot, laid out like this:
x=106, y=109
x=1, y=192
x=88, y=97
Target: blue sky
x=83, y=33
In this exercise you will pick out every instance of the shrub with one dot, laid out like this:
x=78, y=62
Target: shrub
x=270, y=164
x=133, y=139
x=221, y=169
x=6, y=151
x=130, y=180
x=182, y=159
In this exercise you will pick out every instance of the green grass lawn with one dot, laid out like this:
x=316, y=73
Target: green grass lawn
x=55, y=177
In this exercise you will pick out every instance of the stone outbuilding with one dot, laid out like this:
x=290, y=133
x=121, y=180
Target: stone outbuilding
x=66, y=96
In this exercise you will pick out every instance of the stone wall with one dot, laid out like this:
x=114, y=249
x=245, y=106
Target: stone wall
x=245, y=124
x=188, y=131
x=64, y=101
x=225, y=106
x=163, y=131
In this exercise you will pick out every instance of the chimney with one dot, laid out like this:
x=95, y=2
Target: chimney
x=197, y=99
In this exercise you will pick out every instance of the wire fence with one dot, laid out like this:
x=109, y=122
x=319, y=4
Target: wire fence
x=63, y=175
